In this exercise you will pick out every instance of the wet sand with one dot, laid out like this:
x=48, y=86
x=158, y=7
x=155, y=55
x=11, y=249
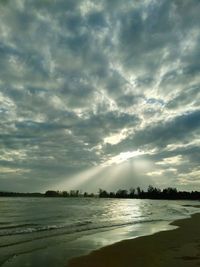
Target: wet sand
x=179, y=247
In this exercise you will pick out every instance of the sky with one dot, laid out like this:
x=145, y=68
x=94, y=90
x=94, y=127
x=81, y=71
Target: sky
x=99, y=94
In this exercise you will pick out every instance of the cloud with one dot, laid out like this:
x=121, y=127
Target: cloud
x=162, y=133
x=83, y=82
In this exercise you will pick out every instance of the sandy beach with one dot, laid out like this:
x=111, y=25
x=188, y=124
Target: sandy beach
x=178, y=247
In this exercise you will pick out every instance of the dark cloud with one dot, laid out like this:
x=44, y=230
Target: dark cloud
x=185, y=97
x=170, y=131
x=94, y=129
x=127, y=100
x=96, y=20
x=161, y=134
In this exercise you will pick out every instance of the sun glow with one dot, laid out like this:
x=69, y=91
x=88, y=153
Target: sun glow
x=116, y=138
x=110, y=174
x=123, y=157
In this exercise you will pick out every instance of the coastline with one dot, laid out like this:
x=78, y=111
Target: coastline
x=168, y=248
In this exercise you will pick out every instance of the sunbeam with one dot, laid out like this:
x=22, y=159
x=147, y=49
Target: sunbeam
x=130, y=168
x=76, y=181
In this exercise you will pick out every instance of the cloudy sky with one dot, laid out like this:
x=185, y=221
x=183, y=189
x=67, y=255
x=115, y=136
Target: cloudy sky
x=99, y=93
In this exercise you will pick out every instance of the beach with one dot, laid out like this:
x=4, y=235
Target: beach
x=178, y=247
x=52, y=231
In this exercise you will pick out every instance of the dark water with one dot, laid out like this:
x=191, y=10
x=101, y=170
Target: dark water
x=49, y=231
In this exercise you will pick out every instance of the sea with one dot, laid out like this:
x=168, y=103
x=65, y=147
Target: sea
x=38, y=232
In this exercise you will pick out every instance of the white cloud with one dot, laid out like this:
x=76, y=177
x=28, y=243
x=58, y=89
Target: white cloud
x=176, y=160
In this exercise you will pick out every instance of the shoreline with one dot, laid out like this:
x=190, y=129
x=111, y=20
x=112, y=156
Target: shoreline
x=177, y=246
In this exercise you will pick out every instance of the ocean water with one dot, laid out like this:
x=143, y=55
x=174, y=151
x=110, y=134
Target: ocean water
x=49, y=231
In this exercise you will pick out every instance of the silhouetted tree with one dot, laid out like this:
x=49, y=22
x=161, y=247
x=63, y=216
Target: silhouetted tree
x=65, y=194
x=112, y=195
x=132, y=192
x=151, y=193
x=74, y=193
x=103, y=193
x=122, y=193
x=51, y=193
x=138, y=191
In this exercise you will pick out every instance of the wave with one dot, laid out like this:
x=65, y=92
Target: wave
x=17, y=226
x=69, y=229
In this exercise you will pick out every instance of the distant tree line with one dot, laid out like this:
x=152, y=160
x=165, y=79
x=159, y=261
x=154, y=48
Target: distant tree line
x=16, y=194
x=150, y=193
x=71, y=193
